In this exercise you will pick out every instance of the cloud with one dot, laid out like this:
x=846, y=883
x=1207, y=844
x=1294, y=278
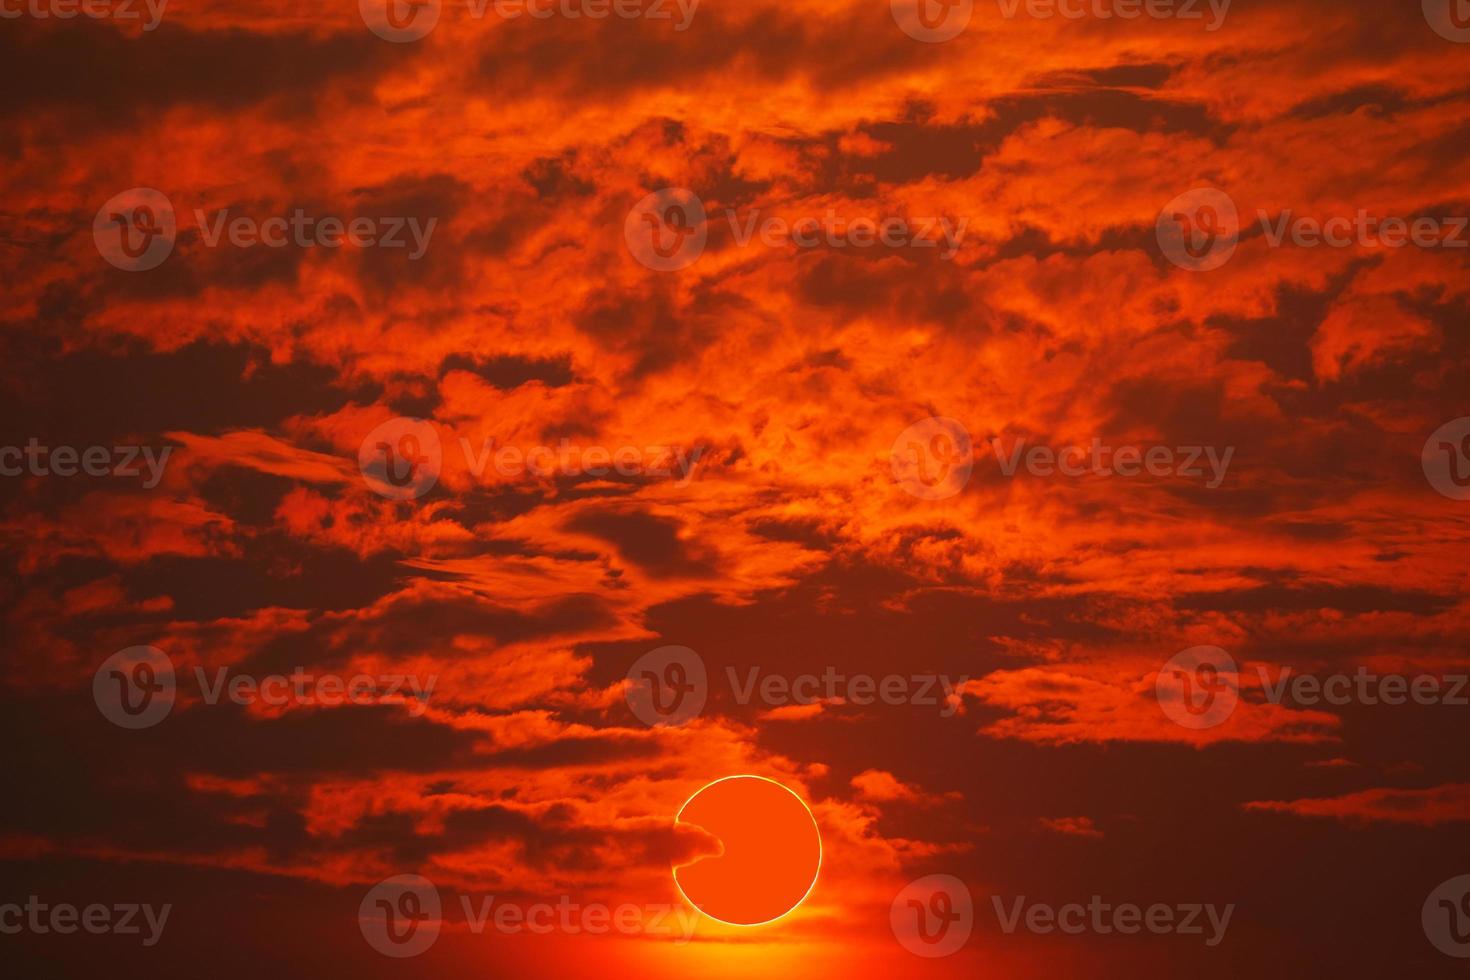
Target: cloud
x=1429, y=807
x=1073, y=826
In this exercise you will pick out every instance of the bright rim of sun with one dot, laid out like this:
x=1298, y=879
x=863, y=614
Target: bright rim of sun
x=771, y=851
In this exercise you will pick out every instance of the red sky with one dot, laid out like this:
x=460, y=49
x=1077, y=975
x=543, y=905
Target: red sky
x=1048, y=146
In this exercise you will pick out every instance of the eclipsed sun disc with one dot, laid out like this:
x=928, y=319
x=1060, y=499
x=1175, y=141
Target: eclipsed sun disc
x=771, y=851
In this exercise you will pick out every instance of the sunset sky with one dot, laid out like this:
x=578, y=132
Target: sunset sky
x=809, y=454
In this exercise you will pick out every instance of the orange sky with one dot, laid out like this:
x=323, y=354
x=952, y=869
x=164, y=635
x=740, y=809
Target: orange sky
x=766, y=521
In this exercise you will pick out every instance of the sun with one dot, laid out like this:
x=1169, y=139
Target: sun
x=771, y=851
